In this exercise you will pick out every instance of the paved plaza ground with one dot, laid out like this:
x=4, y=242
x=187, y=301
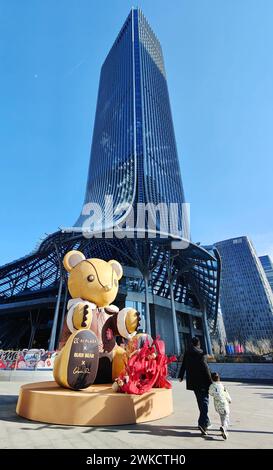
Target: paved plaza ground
x=251, y=419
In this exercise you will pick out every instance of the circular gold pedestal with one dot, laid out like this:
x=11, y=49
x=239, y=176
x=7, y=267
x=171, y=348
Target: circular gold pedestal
x=97, y=405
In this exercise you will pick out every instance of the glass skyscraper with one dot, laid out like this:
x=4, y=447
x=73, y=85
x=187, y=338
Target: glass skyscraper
x=267, y=265
x=245, y=296
x=133, y=155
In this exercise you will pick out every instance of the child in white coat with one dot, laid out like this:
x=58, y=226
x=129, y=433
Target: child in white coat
x=221, y=402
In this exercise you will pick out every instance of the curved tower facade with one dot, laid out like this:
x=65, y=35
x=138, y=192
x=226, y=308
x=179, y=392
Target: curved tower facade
x=133, y=156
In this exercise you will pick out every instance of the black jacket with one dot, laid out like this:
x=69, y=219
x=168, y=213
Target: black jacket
x=197, y=372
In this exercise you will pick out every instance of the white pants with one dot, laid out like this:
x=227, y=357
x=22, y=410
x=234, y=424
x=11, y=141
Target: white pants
x=224, y=420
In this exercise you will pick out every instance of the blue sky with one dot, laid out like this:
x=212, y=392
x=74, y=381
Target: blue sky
x=219, y=62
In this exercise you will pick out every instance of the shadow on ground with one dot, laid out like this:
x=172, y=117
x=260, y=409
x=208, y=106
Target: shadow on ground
x=157, y=430
x=265, y=395
x=8, y=413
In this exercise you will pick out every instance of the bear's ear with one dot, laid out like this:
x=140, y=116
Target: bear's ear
x=117, y=268
x=72, y=258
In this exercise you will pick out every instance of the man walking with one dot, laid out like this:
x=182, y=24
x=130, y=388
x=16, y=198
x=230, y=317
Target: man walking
x=198, y=379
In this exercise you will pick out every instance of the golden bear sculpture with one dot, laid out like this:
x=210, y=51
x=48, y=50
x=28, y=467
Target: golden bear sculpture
x=88, y=350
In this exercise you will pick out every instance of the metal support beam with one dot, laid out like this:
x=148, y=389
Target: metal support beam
x=191, y=327
x=31, y=331
x=63, y=311
x=34, y=325
x=174, y=319
x=52, y=340
x=147, y=307
x=206, y=333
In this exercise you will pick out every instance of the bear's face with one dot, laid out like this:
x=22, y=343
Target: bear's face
x=92, y=279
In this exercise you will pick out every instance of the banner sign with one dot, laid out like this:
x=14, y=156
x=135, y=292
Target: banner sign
x=27, y=359
x=8, y=359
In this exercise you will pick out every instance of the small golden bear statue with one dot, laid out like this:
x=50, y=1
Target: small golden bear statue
x=92, y=323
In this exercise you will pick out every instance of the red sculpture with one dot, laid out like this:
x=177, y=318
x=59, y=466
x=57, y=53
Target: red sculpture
x=146, y=368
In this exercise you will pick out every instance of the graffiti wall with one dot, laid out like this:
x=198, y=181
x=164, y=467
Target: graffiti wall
x=27, y=359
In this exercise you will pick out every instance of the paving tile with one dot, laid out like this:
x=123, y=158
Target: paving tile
x=251, y=419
